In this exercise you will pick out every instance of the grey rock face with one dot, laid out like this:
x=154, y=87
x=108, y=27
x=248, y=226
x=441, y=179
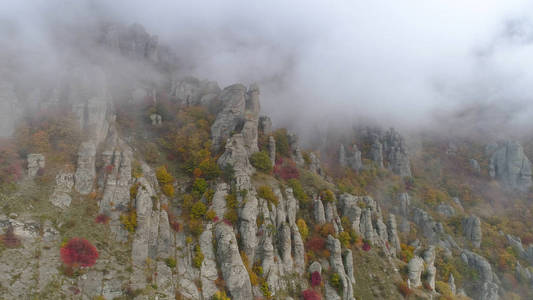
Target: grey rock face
x=132, y=41
x=472, y=230
x=272, y=149
x=298, y=250
x=430, y=228
x=376, y=152
x=219, y=199
x=396, y=153
x=314, y=166
x=85, y=172
x=236, y=155
x=334, y=246
x=248, y=227
x=394, y=240
x=445, y=210
x=404, y=200
x=265, y=125
x=476, y=168
x=233, y=98
x=479, y=263
x=342, y=156
x=429, y=259
x=509, y=165
x=208, y=270
x=451, y=283
x=233, y=270
x=347, y=259
x=192, y=91
x=366, y=227
x=36, y=161
x=319, y=213
x=350, y=209
x=415, y=268
x=156, y=119
x=351, y=159
x=61, y=195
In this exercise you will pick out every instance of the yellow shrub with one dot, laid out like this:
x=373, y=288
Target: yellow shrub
x=302, y=227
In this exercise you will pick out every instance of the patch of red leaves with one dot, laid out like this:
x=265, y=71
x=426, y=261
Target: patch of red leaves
x=78, y=252
x=102, y=219
x=311, y=295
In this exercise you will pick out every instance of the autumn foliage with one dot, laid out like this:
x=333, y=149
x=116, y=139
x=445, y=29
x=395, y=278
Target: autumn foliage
x=286, y=169
x=316, y=279
x=311, y=295
x=78, y=252
x=9, y=239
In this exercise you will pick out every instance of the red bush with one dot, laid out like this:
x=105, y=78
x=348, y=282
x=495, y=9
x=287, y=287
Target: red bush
x=227, y=222
x=102, y=219
x=175, y=226
x=286, y=169
x=316, y=244
x=366, y=247
x=78, y=252
x=9, y=239
x=316, y=279
x=311, y=295
x=109, y=169
x=10, y=162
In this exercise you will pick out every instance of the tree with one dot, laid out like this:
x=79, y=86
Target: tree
x=261, y=161
x=78, y=252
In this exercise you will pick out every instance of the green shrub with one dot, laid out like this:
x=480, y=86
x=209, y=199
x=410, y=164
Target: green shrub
x=282, y=142
x=298, y=191
x=199, y=187
x=335, y=281
x=327, y=195
x=345, y=239
x=261, y=161
x=198, y=257
x=163, y=176
x=196, y=227
x=267, y=193
x=198, y=210
x=171, y=262
x=129, y=221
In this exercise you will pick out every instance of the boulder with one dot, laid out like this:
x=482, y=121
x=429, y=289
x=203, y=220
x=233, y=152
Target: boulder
x=445, y=210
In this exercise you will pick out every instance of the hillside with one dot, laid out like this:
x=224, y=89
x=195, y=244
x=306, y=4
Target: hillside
x=121, y=186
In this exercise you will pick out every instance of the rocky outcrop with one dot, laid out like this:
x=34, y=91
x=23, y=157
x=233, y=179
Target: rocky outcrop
x=350, y=209
x=509, y=165
x=250, y=131
x=265, y=125
x=476, y=168
x=236, y=155
x=430, y=229
x=472, y=230
x=487, y=287
x=272, y=149
x=248, y=226
x=337, y=266
x=451, y=283
x=415, y=268
x=219, y=200
x=208, y=270
x=191, y=91
x=36, y=162
x=233, y=99
x=314, y=165
x=61, y=195
x=394, y=240
x=376, y=151
x=85, y=172
x=395, y=153
x=429, y=259
x=233, y=270
x=296, y=152
x=298, y=251
x=352, y=159
x=445, y=210
x=318, y=211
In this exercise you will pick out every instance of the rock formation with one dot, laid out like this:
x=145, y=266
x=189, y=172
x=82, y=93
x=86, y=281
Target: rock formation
x=85, y=172
x=61, y=195
x=472, y=230
x=415, y=268
x=36, y=162
x=509, y=165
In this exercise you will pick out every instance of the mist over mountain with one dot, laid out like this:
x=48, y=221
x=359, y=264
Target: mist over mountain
x=406, y=65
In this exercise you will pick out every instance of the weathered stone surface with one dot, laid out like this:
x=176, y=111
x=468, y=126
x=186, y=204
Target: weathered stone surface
x=298, y=250
x=350, y=209
x=192, y=91
x=376, y=151
x=445, y=210
x=61, y=195
x=480, y=264
x=36, y=162
x=272, y=149
x=219, y=199
x=231, y=265
x=85, y=172
x=509, y=165
x=472, y=230
x=451, y=283
x=265, y=125
x=318, y=211
x=208, y=270
x=284, y=245
x=334, y=247
x=342, y=156
x=9, y=109
x=404, y=200
x=250, y=131
x=314, y=165
x=415, y=268
x=248, y=226
x=233, y=98
x=431, y=229
x=236, y=155
x=396, y=153
x=394, y=240
x=315, y=267
x=354, y=160
x=366, y=228
x=476, y=168
x=347, y=259
x=156, y=119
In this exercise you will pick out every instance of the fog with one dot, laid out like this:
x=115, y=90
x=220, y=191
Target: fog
x=410, y=64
